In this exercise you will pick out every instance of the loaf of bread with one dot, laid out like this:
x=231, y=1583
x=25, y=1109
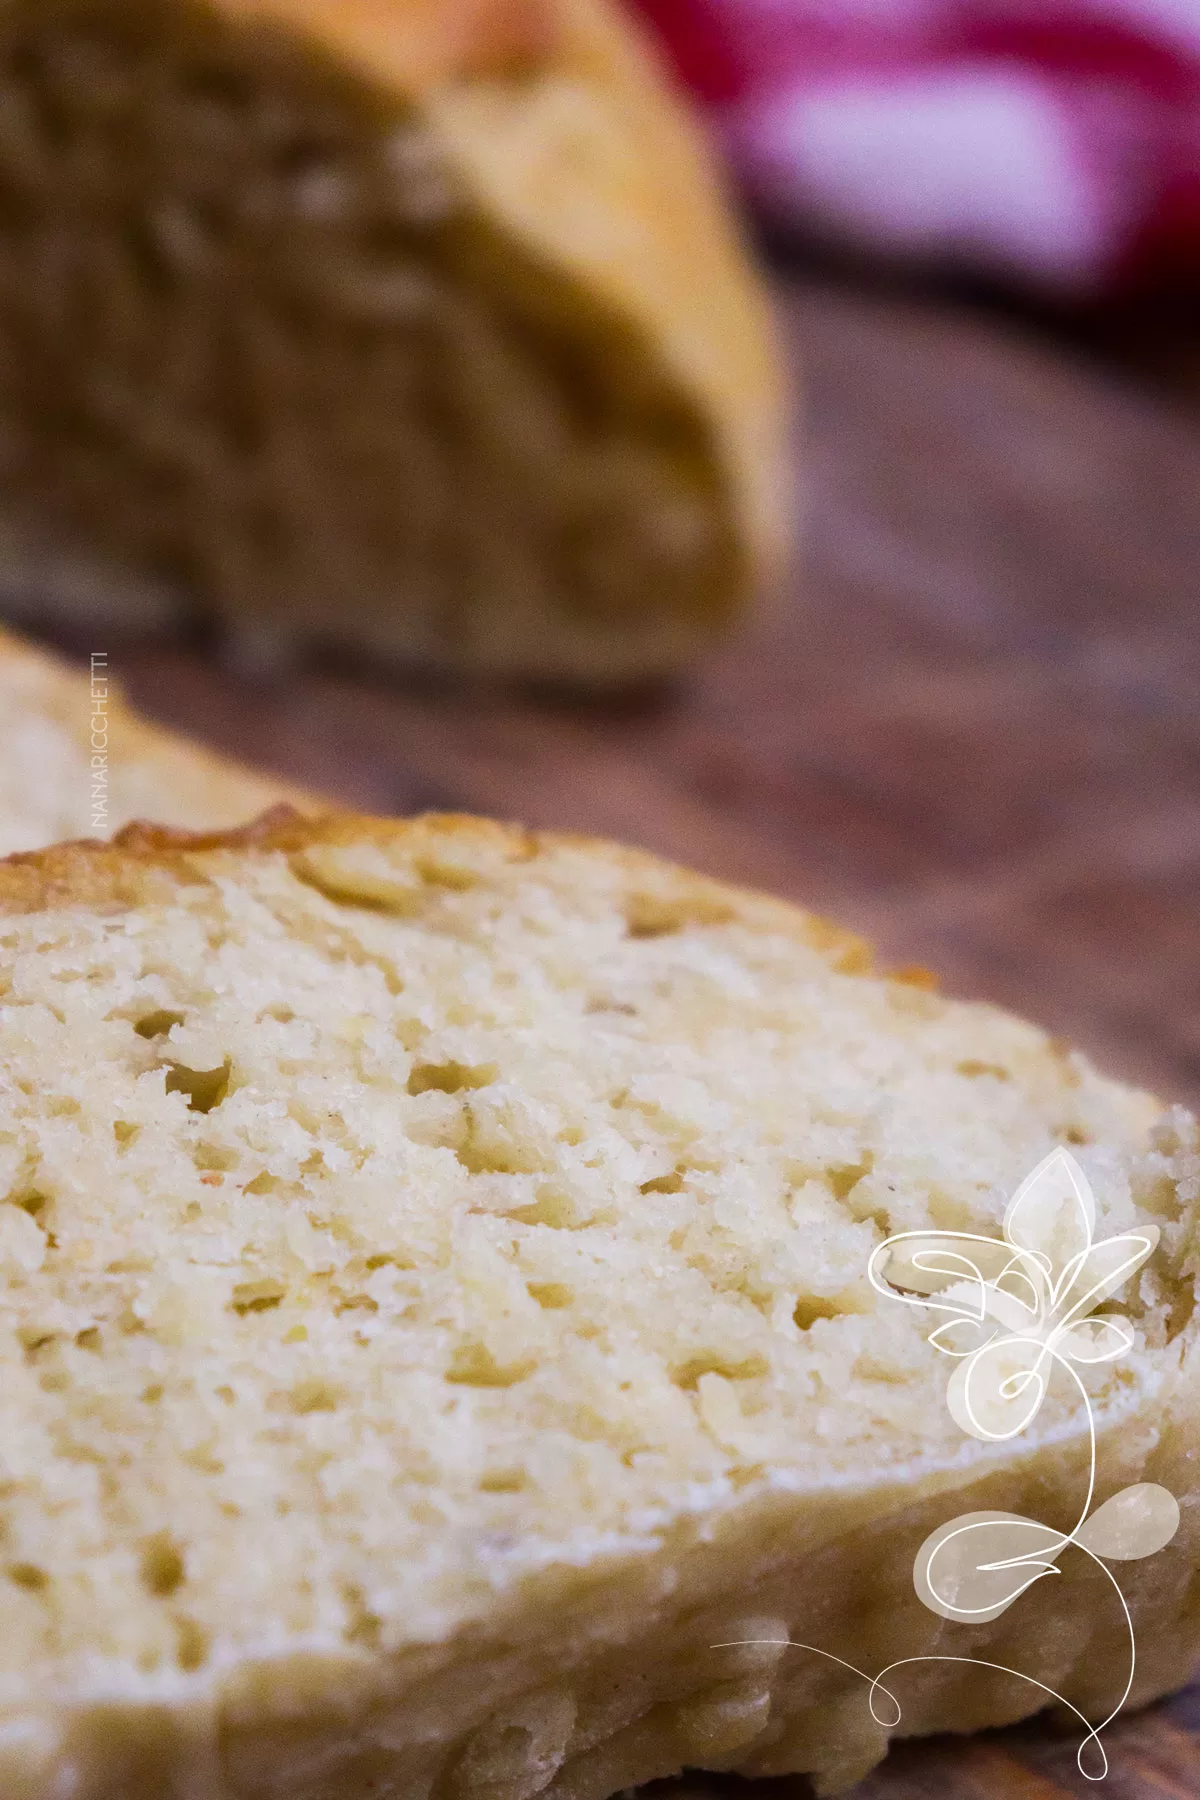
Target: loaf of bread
x=75, y=761
x=438, y=1352
x=417, y=326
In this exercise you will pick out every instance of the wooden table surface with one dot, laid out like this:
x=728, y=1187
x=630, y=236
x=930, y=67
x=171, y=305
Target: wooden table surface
x=971, y=727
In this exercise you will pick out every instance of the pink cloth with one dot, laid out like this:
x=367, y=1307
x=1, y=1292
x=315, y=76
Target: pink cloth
x=1056, y=142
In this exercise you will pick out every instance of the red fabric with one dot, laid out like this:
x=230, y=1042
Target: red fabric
x=1052, y=141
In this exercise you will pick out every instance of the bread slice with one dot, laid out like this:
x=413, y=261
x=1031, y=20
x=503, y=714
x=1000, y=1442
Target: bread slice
x=50, y=787
x=437, y=1321
x=414, y=325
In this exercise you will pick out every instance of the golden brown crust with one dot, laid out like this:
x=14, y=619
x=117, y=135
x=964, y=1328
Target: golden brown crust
x=141, y=859
x=145, y=860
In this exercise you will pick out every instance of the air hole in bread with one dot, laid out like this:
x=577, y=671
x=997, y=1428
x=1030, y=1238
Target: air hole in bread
x=257, y=1296
x=192, y=1644
x=843, y=1179
x=315, y=1394
x=473, y=1365
x=162, y=1566
x=216, y=1157
x=1183, y=1305
x=503, y=1481
x=362, y=1625
x=451, y=1077
x=28, y=1576
x=552, y=1295
x=670, y=1183
x=203, y=1088
x=489, y=1157
x=688, y=1374
x=553, y=1206
x=811, y=1307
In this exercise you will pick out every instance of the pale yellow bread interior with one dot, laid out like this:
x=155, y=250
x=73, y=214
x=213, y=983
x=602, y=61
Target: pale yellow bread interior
x=436, y=1315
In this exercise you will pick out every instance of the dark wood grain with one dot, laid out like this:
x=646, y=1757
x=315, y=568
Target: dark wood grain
x=970, y=725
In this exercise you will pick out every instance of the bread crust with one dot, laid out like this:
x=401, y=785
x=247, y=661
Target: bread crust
x=144, y=857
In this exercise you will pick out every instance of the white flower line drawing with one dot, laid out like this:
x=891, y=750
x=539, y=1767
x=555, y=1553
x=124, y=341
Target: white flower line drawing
x=1018, y=1307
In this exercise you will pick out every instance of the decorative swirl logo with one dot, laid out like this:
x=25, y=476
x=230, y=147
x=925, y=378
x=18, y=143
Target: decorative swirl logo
x=1017, y=1308
x=1008, y=1328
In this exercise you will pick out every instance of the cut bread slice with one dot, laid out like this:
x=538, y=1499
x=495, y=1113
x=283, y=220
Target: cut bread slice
x=414, y=325
x=76, y=761
x=436, y=1327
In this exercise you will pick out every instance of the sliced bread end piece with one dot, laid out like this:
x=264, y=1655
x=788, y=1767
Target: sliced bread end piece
x=438, y=1354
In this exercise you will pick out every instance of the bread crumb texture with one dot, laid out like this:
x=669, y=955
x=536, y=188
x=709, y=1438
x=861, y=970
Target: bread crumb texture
x=434, y=1315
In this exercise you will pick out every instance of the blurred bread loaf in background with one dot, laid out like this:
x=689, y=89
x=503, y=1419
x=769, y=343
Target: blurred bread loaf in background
x=415, y=326
x=51, y=788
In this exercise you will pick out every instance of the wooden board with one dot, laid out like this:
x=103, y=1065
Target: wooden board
x=971, y=726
